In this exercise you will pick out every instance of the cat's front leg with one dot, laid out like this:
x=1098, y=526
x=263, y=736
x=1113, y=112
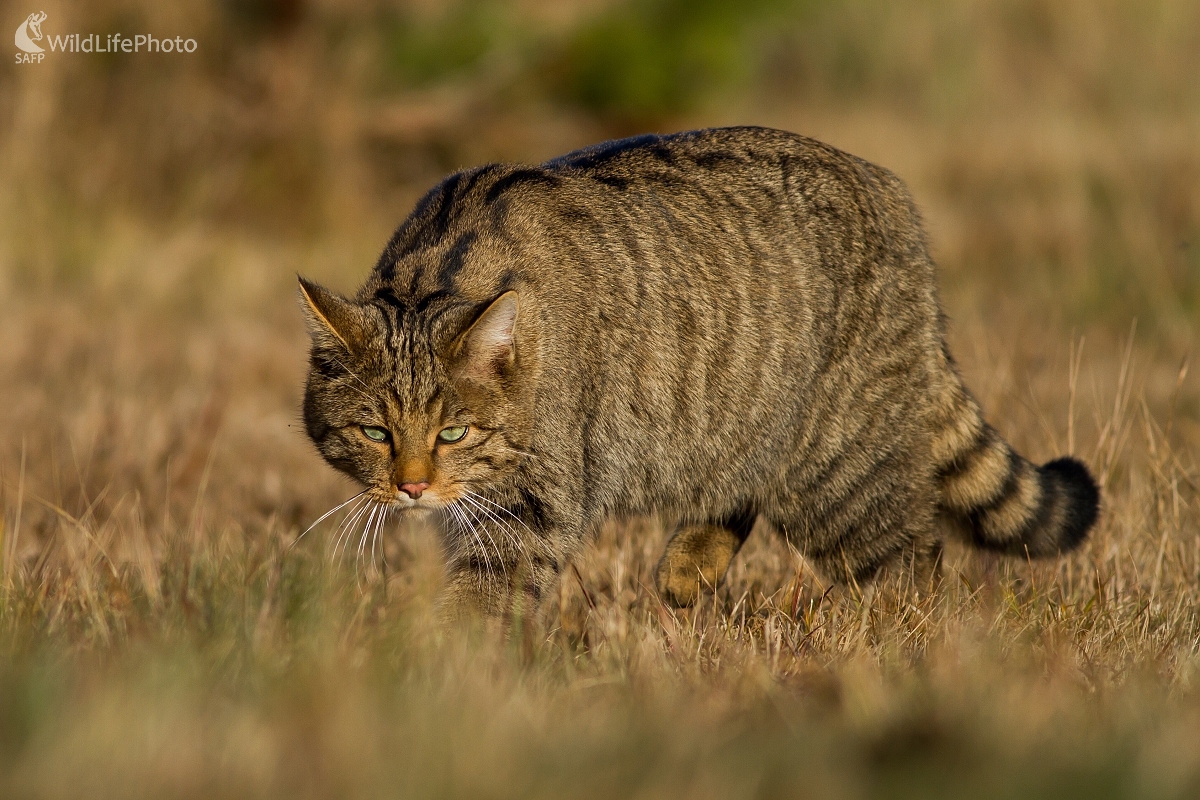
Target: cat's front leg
x=508, y=585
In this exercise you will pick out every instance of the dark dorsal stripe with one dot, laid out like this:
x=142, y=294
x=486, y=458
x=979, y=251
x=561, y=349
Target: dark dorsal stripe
x=386, y=295
x=516, y=178
x=598, y=155
x=440, y=222
x=426, y=226
x=452, y=262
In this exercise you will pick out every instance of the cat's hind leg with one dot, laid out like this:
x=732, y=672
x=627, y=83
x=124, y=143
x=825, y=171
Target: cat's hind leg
x=895, y=537
x=697, y=556
x=920, y=564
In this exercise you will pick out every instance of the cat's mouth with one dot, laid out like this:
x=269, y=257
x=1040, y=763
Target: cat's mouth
x=423, y=497
x=429, y=500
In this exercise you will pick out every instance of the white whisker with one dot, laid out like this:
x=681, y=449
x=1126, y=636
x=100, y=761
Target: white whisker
x=513, y=537
x=347, y=521
x=464, y=526
x=362, y=542
x=522, y=453
x=496, y=506
x=476, y=524
x=501, y=509
x=386, y=517
x=366, y=396
x=324, y=516
x=344, y=538
x=353, y=374
x=473, y=523
x=482, y=523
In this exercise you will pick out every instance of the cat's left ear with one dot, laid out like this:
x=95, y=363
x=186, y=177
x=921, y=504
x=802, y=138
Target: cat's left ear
x=487, y=348
x=332, y=320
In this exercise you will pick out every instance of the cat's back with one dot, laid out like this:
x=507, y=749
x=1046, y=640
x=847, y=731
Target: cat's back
x=745, y=154
x=717, y=189
x=740, y=182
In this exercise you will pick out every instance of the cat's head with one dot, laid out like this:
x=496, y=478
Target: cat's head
x=420, y=405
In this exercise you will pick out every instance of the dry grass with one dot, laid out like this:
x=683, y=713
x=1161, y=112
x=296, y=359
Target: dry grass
x=161, y=636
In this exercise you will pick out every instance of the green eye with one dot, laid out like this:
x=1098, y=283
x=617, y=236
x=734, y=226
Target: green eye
x=375, y=434
x=452, y=434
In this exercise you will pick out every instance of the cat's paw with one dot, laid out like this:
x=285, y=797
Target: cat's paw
x=695, y=558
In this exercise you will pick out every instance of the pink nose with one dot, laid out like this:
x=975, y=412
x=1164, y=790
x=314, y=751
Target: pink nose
x=414, y=490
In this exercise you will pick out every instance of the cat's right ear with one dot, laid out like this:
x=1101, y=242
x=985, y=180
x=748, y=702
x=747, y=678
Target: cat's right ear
x=487, y=347
x=332, y=320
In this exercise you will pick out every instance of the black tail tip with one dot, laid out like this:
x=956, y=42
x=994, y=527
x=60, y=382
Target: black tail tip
x=1082, y=497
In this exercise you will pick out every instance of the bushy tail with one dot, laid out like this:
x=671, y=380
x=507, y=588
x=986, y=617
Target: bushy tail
x=1007, y=503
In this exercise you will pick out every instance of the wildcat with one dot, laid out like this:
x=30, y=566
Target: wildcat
x=717, y=326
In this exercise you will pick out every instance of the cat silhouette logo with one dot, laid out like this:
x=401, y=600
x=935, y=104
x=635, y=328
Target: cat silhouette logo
x=29, y=33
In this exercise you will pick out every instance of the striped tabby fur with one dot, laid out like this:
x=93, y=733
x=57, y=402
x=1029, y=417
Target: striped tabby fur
x=718, y=326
